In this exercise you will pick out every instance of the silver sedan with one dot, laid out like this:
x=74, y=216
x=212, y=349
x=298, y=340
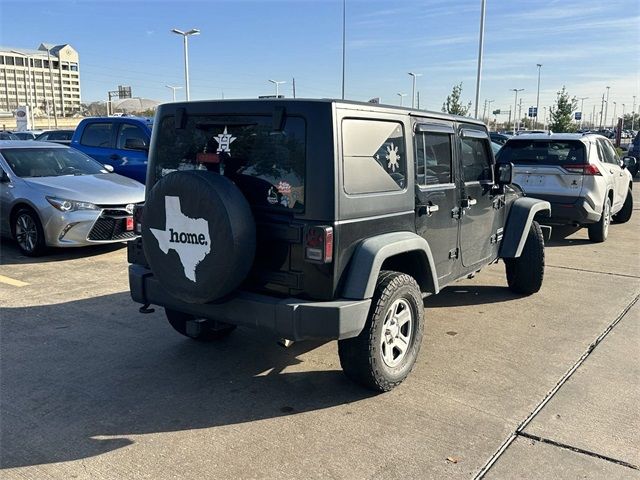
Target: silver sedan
x=54, y=196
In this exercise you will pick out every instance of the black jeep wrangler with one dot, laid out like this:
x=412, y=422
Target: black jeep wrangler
x=323, y=219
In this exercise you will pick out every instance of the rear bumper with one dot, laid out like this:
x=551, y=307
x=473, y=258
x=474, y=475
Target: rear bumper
x=569, y=211
x=289, y=318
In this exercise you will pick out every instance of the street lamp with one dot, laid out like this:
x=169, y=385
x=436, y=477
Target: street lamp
x=515, y=108
x=539, y=65
x=277, y=84
x=185, y=36
x=613, y=119
x=606, y=108
x=480, y=48
x=173, y=89
x=582, y=99
x=413, y=88
x=623, y=116
x=401, y=95
x=633, y=113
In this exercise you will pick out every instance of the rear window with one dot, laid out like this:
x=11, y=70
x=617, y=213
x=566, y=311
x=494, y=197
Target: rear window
x=544, y=152
x=267, y=165
x=95, y=135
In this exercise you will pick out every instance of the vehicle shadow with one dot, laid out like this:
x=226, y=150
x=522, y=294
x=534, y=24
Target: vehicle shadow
x=79, y=378
x=460, y=296
x=10, y=253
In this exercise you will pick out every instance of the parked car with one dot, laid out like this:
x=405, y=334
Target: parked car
x=122, y=142
x=25, y=135
x=634, y=151
x=580, y=175
x=5, y=135
x=55, y=196
x=323, y=219
x=499, y=138
x=62, y=137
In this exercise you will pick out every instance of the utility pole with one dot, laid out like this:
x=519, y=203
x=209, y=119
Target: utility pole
x=413, y=88
x=401, y=95
x=544, y=119
x=277, y=84
x=520, y=111
x=173, y=89
x=606, y=108
x=539, y=65
x=633, y=113
x=582, y=99
x=601, y=110
x=515, y=108
x=294, y=87
x=614, y=118
x=185, y=36
x=480, y=49
x=623, y=116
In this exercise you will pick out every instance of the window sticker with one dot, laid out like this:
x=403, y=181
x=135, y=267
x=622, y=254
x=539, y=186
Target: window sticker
x=224, y=140
x=393, y=157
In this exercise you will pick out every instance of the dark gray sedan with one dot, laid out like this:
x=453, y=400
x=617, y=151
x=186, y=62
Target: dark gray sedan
x=52, y=195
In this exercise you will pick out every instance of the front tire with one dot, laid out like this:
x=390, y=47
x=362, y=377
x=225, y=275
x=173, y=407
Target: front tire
x=598, y=232
x=28, y=233
x=624, y=215
x=525, y=273
x=384, y=353
x=198, y=329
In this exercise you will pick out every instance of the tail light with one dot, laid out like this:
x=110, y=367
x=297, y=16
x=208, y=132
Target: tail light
x=318, y=244
x=583, y=169
x=138, y=210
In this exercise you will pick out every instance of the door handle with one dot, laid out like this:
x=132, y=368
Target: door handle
x=468, y=202
x=427, y=210
x=431, y=209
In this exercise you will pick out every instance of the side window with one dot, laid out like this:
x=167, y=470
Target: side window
x=60, y=136
x=433, y=158
x=97, y=135
x=476, y=160
x=608, y=152
x=374, y=156
x=129, y=132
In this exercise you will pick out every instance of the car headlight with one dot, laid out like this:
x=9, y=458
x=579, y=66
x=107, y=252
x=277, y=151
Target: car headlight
x=70, y=205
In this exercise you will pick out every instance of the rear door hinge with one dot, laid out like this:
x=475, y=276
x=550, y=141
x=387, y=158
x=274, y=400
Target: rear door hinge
x=457, y=213
x=499, y=202
x=453, y=254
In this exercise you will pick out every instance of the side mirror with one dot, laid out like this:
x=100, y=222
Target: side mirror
x=4, y=178
x=628, y=162
x=135, y=144
x=108, y=168
x=504, y=173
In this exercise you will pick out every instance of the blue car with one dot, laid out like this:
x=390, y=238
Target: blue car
x=122, y=142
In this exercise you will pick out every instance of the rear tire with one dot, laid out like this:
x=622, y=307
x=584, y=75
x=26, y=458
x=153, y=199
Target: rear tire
x=196, y=328
x=624, y=215
x=28, y=233
x=525, y=273
x=384, y=353
x=598, y=232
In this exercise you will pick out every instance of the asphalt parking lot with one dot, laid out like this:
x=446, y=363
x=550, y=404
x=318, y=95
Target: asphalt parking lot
x=546, y=386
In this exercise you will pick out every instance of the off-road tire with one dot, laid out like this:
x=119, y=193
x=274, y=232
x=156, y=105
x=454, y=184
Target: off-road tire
x=598, y=232
x=624, y=215
x=525, y=273
x=361, y=357
x=201, y=330
x=40, y=244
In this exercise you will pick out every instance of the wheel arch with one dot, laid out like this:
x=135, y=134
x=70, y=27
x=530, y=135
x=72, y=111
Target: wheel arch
x=16, y=208
x=521, y=215
x=405, y=252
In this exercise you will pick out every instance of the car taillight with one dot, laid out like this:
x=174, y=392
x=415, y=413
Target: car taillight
x=318, y=244
x=584, y=169
x=138, y=210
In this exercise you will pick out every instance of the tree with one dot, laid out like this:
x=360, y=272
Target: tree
x=561, y=113
x=453, y=104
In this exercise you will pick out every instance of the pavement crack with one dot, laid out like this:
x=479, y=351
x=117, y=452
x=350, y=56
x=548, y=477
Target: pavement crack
x=577, y=450
x=520, y=429
x=594, y=271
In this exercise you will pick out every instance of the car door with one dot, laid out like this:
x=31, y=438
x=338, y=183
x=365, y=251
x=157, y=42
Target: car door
x=131, y=147
x=478, y=203
x=619, y=178
x=97, y=141
x=436, y=193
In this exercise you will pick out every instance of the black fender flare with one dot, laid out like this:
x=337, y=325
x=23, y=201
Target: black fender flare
x=369, y=256
x=517, y=226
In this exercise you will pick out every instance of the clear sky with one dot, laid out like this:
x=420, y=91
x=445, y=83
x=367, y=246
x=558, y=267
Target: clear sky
x=583, y=44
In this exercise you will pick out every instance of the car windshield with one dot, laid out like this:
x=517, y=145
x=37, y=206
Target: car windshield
x=544, y=152
x=50, y=162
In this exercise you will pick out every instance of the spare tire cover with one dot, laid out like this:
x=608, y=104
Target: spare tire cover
x=198, y=235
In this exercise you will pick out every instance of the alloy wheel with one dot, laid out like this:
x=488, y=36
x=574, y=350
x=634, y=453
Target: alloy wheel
x=397, y=333
x=26, y=232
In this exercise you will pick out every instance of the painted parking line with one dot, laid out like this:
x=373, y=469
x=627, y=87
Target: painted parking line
x=12, y=281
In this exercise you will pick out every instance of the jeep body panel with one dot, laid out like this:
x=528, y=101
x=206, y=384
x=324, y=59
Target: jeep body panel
x=521, y=215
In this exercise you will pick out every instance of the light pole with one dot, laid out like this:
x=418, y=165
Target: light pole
x=606, y=108
x=173, y=89
x=623, y=116
x=582, y=99
x=401, y=95
x=539, y=65
x=544, y=119
x=515, y=107
x=277, y=83
x=413, y=88
x=480, y=48
x=613, y=119
x=185, y=36
x=633, y=113
x=53, y=95
x=344, y=41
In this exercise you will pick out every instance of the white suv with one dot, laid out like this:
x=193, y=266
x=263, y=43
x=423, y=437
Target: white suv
x=581, y=176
